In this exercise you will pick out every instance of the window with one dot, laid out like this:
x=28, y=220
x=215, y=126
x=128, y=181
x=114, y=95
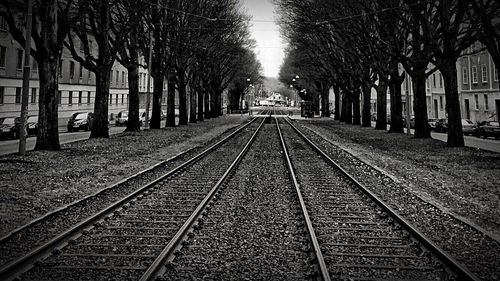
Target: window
x=88, y=97
x=35, y=67
x=71, y=69
x=465, y=76
x=123, y=98
x=474, y=75
x=484, y=73
x=18, y=94
x=434, y=79
x=59, y=97
x=70, y=97
x=3, y=24
x=80, y=96
x=19, y=59
x=59, y=68
x=111, y=77
x=89, y=78
x=3, y=50
x=441, y=103
x=117, y=76
x=440, y=80
x=81, y=72
x=123, y=78
x=110, y=98
x=116, y=99
x=496, y=74
x=33, y=95
x=476, y=99
x=486, y=105
x=2, y=91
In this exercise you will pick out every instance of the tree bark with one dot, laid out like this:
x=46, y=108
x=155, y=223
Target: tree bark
x=133, y=124
x=336, y=91
x=183, y=114
x=455, y=133
x=325, y=106
x=192, y=105
x=366, y=115
x=200, y=102
x=100, y=123
x=207, y=105
x=348, y=107
x=47, y=137
x=343, y=116
x=155, y=122
x=422, y=129
x=171, y=103
x=356, y=107
x=395, y=82
x=381, y=105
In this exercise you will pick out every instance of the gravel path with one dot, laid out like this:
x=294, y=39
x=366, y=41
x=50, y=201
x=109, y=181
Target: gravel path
x=473, y=248
x=254, y=231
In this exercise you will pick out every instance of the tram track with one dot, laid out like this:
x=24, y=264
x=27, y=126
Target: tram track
x=47, y=255
x=360, y=236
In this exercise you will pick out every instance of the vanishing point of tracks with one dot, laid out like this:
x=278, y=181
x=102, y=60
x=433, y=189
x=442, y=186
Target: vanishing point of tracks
x=306, y=219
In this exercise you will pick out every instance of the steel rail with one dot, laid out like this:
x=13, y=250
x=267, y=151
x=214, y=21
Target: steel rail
x=312, y=235
x=158, y=266
x=463, y=273
x=23, y=264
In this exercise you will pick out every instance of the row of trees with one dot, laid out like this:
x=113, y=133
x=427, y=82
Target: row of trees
x=354, y=46
x=201, y=47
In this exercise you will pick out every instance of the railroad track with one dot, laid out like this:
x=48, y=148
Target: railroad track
x=121, y=241
x=361, y=238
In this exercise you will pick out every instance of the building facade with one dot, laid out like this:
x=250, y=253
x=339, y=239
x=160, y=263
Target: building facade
x=76, y=84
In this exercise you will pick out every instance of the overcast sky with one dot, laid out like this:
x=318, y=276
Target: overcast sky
x=269, y=47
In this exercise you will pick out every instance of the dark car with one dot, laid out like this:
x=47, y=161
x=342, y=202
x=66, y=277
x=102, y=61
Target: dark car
x=442, y=126
x=32, y=123
x=121, y=118
x=9, y=127
x=80, y=121
x=432, y=123
x=468, y=127
x=488, y=129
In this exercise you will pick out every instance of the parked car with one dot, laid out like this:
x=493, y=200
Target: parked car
x=468, y=127
x=432, y=123
x=80, y=121
x=32, y=125
x=442, y=125
x=488, y=129
x=9, y=127
x=121, y=118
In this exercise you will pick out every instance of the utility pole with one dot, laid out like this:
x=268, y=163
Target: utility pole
x=148, y=95
x=26, y=81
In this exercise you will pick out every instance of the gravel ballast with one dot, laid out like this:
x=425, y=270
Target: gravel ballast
x=411, y=175
x=254, y=231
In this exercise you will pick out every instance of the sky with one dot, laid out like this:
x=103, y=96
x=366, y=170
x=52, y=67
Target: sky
x=269, y=46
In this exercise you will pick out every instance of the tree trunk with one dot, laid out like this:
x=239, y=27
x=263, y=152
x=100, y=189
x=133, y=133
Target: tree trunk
x=381, y=106
x=100, y=123
x=183, y=114
x=47, y=137
x=348, y=108
x=343, y=116
x=325, y=106
x=395, y=82
x=336, y=91
x=213, y=104
x=356, y=107
x=367, y=117
x=200, y=102
x=192, y=105
x=218, y=104
x=155, y=122
x=133, y=124
x=455, y=133
x=171, y=104
x=422, y=128
x=207, y=104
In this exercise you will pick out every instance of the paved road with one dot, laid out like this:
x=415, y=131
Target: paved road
x=12, y=146
x=487, y=144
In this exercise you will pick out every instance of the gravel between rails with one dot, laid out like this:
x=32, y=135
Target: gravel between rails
x=173, y=200
x=39, y=232
x=471, y=247
x=254, y=230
